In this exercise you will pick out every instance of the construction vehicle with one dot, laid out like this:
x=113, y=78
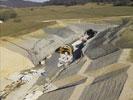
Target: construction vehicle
x=72, y=52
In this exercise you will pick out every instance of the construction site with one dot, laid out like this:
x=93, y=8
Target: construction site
x=95, y=67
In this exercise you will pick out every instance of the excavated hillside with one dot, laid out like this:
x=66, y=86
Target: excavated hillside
x=100, y=74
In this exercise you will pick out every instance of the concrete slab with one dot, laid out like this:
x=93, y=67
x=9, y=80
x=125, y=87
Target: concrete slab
x=62, y=94
x=127, y=92
x=80, y=88
x=70, y=81
x=110, y=68
x=104, y=61
x=108, y=89
x=103, y=43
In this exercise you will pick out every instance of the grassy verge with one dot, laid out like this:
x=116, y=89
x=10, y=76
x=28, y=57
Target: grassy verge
x=15, y=29
x=131, y=56
x=126, y=40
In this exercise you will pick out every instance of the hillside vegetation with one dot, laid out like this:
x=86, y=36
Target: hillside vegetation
x=77, y=2
x=29, y=19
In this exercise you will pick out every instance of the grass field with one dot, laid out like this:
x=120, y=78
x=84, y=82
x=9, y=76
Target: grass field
x=30, y=18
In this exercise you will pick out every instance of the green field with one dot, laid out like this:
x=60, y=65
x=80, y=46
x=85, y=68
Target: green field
x=30, y=18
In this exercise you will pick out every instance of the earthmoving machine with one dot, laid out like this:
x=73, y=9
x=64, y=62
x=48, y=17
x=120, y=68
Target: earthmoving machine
x=71, y=52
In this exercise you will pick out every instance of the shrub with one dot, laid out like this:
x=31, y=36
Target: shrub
x=31, y=9
x=7, y=14
x=121, y=3
x=131, y=3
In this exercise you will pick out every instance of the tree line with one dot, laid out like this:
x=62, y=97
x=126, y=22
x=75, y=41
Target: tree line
x=76, y=2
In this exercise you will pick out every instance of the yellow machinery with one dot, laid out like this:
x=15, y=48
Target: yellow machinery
x=66, y=48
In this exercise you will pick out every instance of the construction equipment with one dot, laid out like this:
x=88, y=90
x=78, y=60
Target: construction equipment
x=66, y=48
x=70, y=48
x=65, y=59
x=70, y=53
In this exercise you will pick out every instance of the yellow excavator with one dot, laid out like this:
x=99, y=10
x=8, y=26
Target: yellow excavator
x=66, y=48
x=69, y=48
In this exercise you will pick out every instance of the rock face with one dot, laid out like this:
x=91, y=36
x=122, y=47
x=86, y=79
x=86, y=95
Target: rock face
x=127, y=92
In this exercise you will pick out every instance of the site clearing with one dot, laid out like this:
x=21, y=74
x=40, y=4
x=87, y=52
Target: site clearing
x=67, y=53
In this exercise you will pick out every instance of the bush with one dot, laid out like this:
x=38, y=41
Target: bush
x=121, y=3
x=7, y=14
x=31, y=9
x=131, y=3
